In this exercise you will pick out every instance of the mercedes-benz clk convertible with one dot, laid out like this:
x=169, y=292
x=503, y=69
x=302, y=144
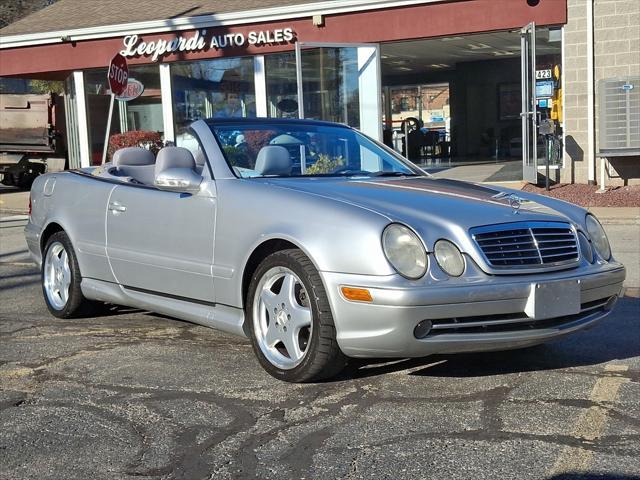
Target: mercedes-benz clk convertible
x=318, y=244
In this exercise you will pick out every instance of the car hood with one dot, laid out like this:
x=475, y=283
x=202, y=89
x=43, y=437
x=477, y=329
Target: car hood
x=435, y=207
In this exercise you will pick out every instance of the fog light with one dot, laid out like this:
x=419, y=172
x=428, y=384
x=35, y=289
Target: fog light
x=356, y=294
x=422, y=329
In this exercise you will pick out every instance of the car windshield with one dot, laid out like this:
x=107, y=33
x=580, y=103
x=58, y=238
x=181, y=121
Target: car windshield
x=289, y=149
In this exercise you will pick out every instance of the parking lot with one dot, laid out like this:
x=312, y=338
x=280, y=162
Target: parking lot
x=130, y=394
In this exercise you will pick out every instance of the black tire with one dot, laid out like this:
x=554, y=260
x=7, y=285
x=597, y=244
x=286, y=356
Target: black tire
x=76, y=304
x=323, y=358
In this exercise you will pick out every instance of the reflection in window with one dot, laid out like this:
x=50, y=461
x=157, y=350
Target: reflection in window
x=303, y=149
x=330, y=82
x=143, y=114
x=282, y=85
x=222, y=88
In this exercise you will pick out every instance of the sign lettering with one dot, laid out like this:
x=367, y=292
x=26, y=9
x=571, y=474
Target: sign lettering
x=543, y=74
x=134, y=46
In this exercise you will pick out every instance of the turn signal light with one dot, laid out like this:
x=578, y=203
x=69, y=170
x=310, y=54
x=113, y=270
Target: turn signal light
x=356, y=294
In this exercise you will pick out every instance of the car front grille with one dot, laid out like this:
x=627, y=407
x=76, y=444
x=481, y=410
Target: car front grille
x=527, y=244
x=512, y=322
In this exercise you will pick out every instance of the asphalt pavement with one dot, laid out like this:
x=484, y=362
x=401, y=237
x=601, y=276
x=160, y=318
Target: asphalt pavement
x=134, y=395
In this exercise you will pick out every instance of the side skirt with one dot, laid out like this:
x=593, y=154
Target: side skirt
x=221, y=317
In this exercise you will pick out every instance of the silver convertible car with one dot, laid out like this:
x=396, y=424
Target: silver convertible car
x=318, y=244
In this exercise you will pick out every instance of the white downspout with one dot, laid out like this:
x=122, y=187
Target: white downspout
x=591, y=159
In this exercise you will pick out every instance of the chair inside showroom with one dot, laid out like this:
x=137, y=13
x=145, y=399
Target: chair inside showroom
x=135, y=164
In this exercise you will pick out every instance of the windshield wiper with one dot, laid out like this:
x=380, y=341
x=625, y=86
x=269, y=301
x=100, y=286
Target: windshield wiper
x=394, y=174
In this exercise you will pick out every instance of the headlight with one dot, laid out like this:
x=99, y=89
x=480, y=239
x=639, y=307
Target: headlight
x=449, y=258
x=598, y=237
x=585, y=248
x=404, y=250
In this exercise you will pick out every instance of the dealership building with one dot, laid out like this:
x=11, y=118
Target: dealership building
x=447, y=82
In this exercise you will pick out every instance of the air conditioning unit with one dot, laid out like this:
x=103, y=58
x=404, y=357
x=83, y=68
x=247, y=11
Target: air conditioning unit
x=619, y=133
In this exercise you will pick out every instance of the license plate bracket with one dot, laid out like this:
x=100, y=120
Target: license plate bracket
x=553, y=299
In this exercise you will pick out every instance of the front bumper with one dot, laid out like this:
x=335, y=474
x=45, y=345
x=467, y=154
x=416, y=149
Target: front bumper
x=385, y=327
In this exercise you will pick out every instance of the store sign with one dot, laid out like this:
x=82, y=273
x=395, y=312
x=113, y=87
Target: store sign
x=132, y=91
x=199, y=41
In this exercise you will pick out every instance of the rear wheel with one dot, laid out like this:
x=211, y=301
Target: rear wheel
x=290, y=321
x=61, y=279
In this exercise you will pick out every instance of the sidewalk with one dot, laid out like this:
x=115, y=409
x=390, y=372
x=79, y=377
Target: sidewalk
x=13, y=201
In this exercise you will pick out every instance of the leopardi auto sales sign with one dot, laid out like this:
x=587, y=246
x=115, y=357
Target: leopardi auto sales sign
x=135, y=46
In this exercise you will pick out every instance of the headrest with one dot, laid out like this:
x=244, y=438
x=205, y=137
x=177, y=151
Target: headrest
x=273, y=160
x=174, y=157
x=133, y=156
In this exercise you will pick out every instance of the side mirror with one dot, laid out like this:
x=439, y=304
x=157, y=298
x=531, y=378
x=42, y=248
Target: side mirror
x=182, y=180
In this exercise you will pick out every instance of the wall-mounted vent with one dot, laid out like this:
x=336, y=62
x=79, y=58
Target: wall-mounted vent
x=619, y=116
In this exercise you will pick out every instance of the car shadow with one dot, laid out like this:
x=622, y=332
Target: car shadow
x=592, y=476
x=615, y=340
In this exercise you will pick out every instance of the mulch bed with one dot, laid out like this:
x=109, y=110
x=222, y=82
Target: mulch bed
x=588, y=196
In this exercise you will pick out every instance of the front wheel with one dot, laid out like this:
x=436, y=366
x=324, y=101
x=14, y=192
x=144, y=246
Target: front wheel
x=61, y=279
x=290, y=321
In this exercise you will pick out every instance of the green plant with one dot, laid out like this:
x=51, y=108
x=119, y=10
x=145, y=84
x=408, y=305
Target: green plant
x=325, y=164
x=236, y=156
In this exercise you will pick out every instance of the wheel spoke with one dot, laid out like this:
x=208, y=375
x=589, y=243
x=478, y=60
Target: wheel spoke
x=64, y=260
x=272, y=335
x=270, y=300
x=290, y=340
x=64, y=293
x=287, y=293
x=300, y=317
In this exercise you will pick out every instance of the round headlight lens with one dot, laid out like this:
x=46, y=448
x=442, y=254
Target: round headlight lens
x=449, y=258
x=585, y=247
x=598, y=237
x=404, y=250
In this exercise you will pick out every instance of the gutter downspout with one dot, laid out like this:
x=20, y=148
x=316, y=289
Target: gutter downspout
x=591, y=159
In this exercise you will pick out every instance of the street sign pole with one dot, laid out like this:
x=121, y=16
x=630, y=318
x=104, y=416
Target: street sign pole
x=118, y=77
x=106, y=135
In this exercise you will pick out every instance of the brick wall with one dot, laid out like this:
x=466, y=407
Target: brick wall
x=617, y=54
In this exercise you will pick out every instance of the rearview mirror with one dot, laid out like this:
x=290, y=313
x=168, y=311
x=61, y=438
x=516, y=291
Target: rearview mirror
x=183, y=180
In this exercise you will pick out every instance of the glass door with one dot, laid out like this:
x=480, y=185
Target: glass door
x=340, y=83
x=529, y=102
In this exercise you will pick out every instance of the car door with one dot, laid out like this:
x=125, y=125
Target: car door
x=162, y=242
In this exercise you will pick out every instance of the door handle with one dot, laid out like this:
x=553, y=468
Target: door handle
x=115, y=207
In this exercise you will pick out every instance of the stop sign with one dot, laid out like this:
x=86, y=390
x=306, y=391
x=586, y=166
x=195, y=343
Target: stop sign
x=118, y=74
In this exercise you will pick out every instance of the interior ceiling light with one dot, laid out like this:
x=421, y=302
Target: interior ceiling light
x=450, y=39
x=403, y=69
x=439, y=65
x=502, y=53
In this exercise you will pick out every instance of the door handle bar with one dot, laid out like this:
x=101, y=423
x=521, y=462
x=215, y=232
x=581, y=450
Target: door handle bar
x=116, y=207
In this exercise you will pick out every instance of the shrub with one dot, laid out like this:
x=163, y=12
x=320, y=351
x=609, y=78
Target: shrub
x=325, y=164
x=138, y=138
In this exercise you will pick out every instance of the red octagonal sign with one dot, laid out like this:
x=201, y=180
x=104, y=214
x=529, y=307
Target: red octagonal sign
x=118, y=74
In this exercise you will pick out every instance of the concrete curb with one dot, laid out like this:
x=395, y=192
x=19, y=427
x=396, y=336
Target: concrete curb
x=14, y=211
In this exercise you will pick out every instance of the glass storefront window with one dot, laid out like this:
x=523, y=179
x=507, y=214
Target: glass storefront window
x=221, y=88
x=282, y=85
x=143, y=114
x=330, y=79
